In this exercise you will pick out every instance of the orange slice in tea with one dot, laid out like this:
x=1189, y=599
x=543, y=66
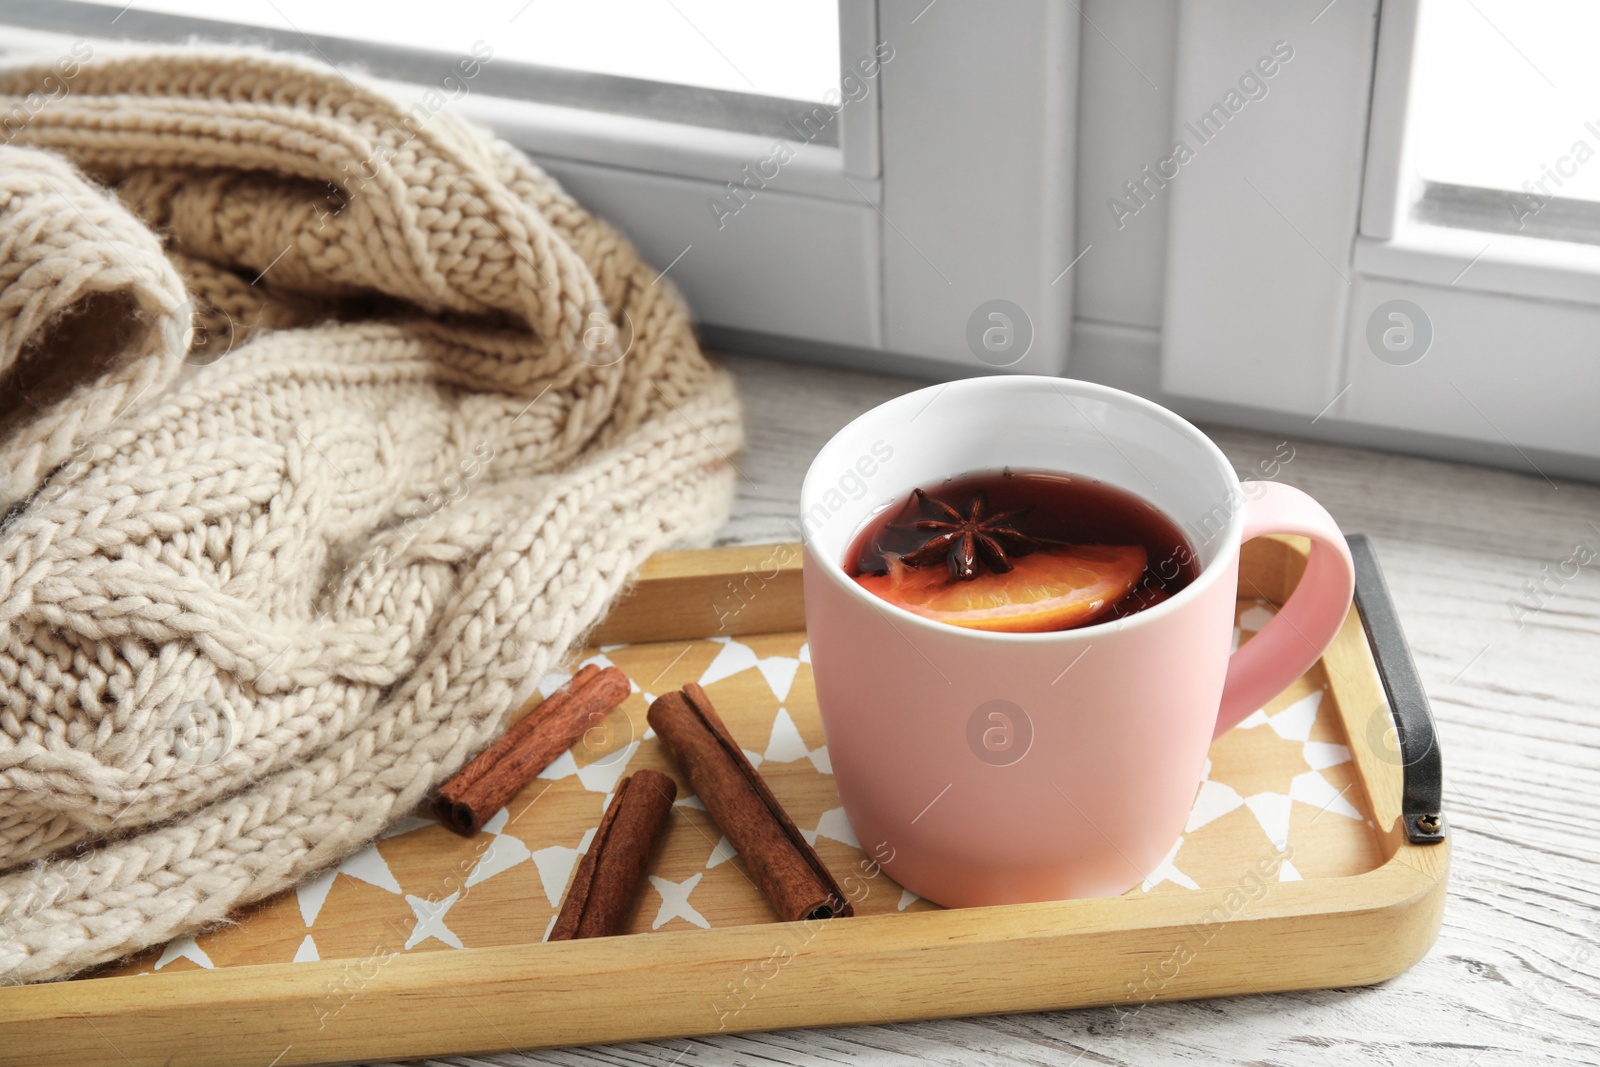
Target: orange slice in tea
x=1052, y=589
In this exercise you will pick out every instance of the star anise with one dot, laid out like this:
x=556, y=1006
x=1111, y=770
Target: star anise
x=963, y=540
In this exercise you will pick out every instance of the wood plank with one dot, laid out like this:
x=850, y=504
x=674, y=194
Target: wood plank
x=725, y=591
x=676, y=984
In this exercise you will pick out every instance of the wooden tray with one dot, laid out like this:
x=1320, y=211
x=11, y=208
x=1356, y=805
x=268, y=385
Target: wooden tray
x=1295, y=872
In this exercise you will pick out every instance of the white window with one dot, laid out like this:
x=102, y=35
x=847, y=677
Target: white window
x=1367, y=257
x=1338, y=219
x=1506, y=106
x=935, y=180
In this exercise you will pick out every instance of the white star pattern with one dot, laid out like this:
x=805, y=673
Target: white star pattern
x=601, y=776
x=736, y=657
x=1311, y=788
x=1214, y=800
x=1294, y=722
x=311, y=895
x=786, y=745
x=722, y=853
x=555, y=865
x=835, y=824
x=504, y=852
x=1168, y=872
x=430, y=920
x=184, y=948
x=675, y=902
x=369, y=866
x=1272, y=811
x=1321, y=755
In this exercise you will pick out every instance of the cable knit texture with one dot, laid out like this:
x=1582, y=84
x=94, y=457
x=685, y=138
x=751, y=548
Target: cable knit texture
x=300, y=494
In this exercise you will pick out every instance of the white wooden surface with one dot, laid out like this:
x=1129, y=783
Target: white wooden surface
x=1515, y=976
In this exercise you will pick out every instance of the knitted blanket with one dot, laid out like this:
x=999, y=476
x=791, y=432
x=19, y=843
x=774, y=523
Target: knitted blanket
x=326, y=426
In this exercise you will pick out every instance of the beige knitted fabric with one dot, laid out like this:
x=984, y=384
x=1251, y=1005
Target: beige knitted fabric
x=251, y=612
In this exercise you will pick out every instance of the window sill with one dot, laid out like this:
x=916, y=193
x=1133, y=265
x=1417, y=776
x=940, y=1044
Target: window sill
x=1478, y=261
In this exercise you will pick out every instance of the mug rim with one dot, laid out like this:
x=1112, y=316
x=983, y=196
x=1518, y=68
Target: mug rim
x=1209, y=575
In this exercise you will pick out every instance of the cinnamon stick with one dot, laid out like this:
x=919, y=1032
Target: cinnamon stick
x=611, y=872
x=780, y=860
x=482, y=787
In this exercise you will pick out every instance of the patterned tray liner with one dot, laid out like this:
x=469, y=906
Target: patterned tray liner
x=1282, y=785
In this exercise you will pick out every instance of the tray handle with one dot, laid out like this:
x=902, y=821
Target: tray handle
x=1422, y=792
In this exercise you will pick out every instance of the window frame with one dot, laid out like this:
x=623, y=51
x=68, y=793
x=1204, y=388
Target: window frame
x=1394, y=243
x=877, y=251
x=1272, y=297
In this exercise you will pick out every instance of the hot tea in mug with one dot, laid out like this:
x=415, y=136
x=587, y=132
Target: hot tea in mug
x=1022, y=552
x=1068, y=553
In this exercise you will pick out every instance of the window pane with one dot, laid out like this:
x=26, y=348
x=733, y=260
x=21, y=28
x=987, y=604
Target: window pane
x=1507, y=97
x=782, y=48
x=758, y=68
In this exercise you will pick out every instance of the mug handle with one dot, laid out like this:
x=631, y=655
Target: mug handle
x=1307, y=623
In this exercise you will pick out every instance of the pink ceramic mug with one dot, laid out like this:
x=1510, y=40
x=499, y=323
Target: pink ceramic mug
x=989, y=768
